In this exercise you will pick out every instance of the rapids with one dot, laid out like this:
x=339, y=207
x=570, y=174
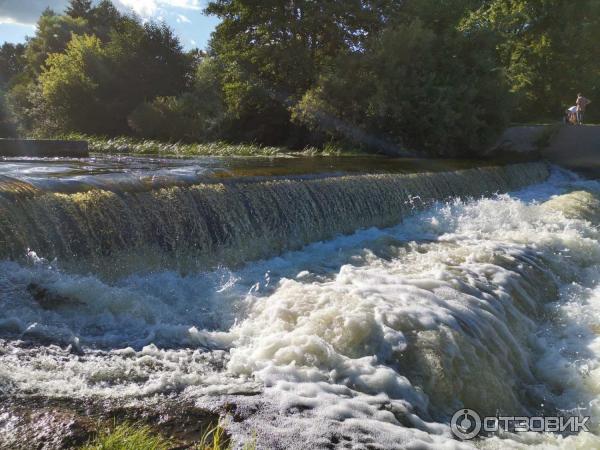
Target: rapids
x=210, y=224
x=364, y=340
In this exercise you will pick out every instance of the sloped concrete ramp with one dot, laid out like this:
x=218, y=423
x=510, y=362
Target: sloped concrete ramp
x=575, y=147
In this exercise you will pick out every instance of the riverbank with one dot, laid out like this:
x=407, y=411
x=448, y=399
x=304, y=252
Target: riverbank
x=575, y=148
x=47, y=423
x=123, y=144
x=572, y=147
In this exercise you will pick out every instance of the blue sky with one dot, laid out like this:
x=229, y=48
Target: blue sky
x=18, y=17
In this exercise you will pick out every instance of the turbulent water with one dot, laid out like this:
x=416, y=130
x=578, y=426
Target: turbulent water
x=370, y=340
x=204, y=225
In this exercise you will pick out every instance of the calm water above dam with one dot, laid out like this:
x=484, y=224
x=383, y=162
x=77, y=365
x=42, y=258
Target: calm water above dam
x=116, y=172
x=353, y=311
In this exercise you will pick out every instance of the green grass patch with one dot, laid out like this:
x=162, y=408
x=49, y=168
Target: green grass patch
x=118, y=145
x=142, y=437
x=129, y=437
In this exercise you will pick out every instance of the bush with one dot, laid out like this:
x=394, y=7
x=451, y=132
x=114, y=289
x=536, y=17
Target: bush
x=193, y=116
x=8, y=126
x=404, y=92
x=161, y=119
x=69, y=84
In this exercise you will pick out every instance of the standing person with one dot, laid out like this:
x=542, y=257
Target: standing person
x=581, y=103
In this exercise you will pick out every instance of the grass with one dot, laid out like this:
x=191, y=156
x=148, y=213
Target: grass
x=129, y=437
x=99, y=144
x=216, y=439
x=141, y=437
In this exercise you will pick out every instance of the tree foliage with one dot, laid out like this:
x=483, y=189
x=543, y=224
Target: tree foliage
x=549, y=49
x=69, y=84
x=145, y=62
x=52, y=35
x=440, y=77
x=196, y=115
x=272, y=54
x=79, y=9
x=413, y=88
x=89, y=69
x=12, y=61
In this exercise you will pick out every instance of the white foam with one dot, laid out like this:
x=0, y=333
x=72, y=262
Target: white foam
x=374, y=338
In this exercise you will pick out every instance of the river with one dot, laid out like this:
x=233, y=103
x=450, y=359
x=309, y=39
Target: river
x=362, y=314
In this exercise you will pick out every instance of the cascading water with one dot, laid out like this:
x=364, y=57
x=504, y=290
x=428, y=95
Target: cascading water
x=226, y=223
x=369, y=340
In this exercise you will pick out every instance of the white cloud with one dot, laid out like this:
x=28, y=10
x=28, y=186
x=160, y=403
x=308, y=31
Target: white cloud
x=28, y=11
x=144, y=8
x=184, y=4
x=150, y=8
x=183, y=19
x=9, y=21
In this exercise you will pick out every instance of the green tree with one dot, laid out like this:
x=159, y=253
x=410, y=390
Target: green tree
x=89, y=69
x=144, y=62
x=104, y=18
x=53, y=33
x=12, y=62
x=79, y=9
x=196, y=115
x=549, y=49
x=8, y=127
x=420, y=85
x=69, y=87
x=11, y=65
x=273, y=53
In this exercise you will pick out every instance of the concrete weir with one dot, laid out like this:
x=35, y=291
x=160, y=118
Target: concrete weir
x=228, y=223
x=576, y=148
x=573, y=147
x=43, y=148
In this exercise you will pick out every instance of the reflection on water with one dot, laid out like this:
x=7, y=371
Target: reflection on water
x=118, y=172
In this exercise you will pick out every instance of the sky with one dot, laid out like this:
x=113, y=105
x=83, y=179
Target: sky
x=18, y=17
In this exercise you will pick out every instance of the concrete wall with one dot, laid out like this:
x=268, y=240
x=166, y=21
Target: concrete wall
x=520, y=139
x=47, y=148
x=573, y=147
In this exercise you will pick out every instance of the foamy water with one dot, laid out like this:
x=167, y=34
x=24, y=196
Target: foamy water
x=366, y=341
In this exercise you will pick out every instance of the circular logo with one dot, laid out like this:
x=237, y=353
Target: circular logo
x=465, y=424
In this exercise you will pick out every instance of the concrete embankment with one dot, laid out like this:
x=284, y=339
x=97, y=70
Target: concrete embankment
x=43, y=148
x=576, y=148
x=573, y=147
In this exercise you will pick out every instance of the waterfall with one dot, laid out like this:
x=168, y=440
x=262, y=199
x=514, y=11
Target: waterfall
x=227, y=222
x=489, y=303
